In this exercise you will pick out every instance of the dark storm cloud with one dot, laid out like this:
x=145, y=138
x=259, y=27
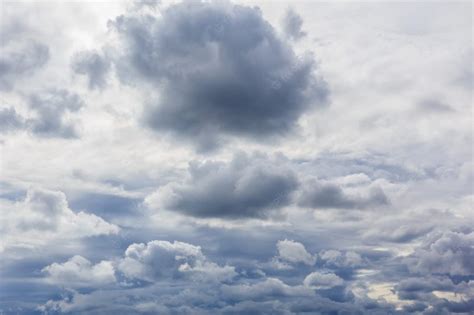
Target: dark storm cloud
x=220, y=68
x=50, y=108
x=248, y=186
x=19, y=58
x=93, y=65
x=292, y=23
x=327, y=195
x=10, y=120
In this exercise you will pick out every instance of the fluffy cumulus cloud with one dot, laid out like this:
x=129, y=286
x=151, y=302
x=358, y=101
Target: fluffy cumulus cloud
x=220, y=68
x=294, y=252
x=162, y=259
x=246, y=187
x=449, y=253
x=320, y=280
x=236, y=157
x=335, y=258
x=44, y=216
x=80, y=272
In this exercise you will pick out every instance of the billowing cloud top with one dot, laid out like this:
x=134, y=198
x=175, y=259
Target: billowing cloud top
x=236, y=157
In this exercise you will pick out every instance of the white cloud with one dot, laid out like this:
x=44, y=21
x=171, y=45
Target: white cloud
x=80, y=272
x=164, y=260
x=294, y=252
x=339, y=259
x=320, y=280
x=43, y=217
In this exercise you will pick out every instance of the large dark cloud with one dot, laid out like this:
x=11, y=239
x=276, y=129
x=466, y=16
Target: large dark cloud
x=248, y=186
x=220, y=68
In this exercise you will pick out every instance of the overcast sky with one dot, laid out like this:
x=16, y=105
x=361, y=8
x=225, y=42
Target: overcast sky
x=254, y=157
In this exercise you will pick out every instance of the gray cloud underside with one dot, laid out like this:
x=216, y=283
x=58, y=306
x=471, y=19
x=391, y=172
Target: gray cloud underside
x=322, y=195
x=244, y=188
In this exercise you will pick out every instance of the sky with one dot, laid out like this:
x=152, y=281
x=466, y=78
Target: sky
x=252, y=157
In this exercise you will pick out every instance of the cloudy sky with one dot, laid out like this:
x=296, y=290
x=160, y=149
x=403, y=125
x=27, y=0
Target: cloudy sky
x=248, y=157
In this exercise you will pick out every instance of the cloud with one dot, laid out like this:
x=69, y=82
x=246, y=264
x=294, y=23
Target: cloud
x=292, y=23
x=220, y=70
x=44, y=216
x=50, y=111
x=94, y=65
x=448, y=253
x=410, y=225
x=19, y=58
x=51, y=108
x=434, y=105
x=294, y=252
x=246, y=187
x=321, y=280
x=108, y=206
x=10, y=120
x=412, y=287
x=395, y=122
x=269, y=289
x=334, y=258
x=80, y=272
x=152, y=4
x=319, y=194
x=161, y=259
